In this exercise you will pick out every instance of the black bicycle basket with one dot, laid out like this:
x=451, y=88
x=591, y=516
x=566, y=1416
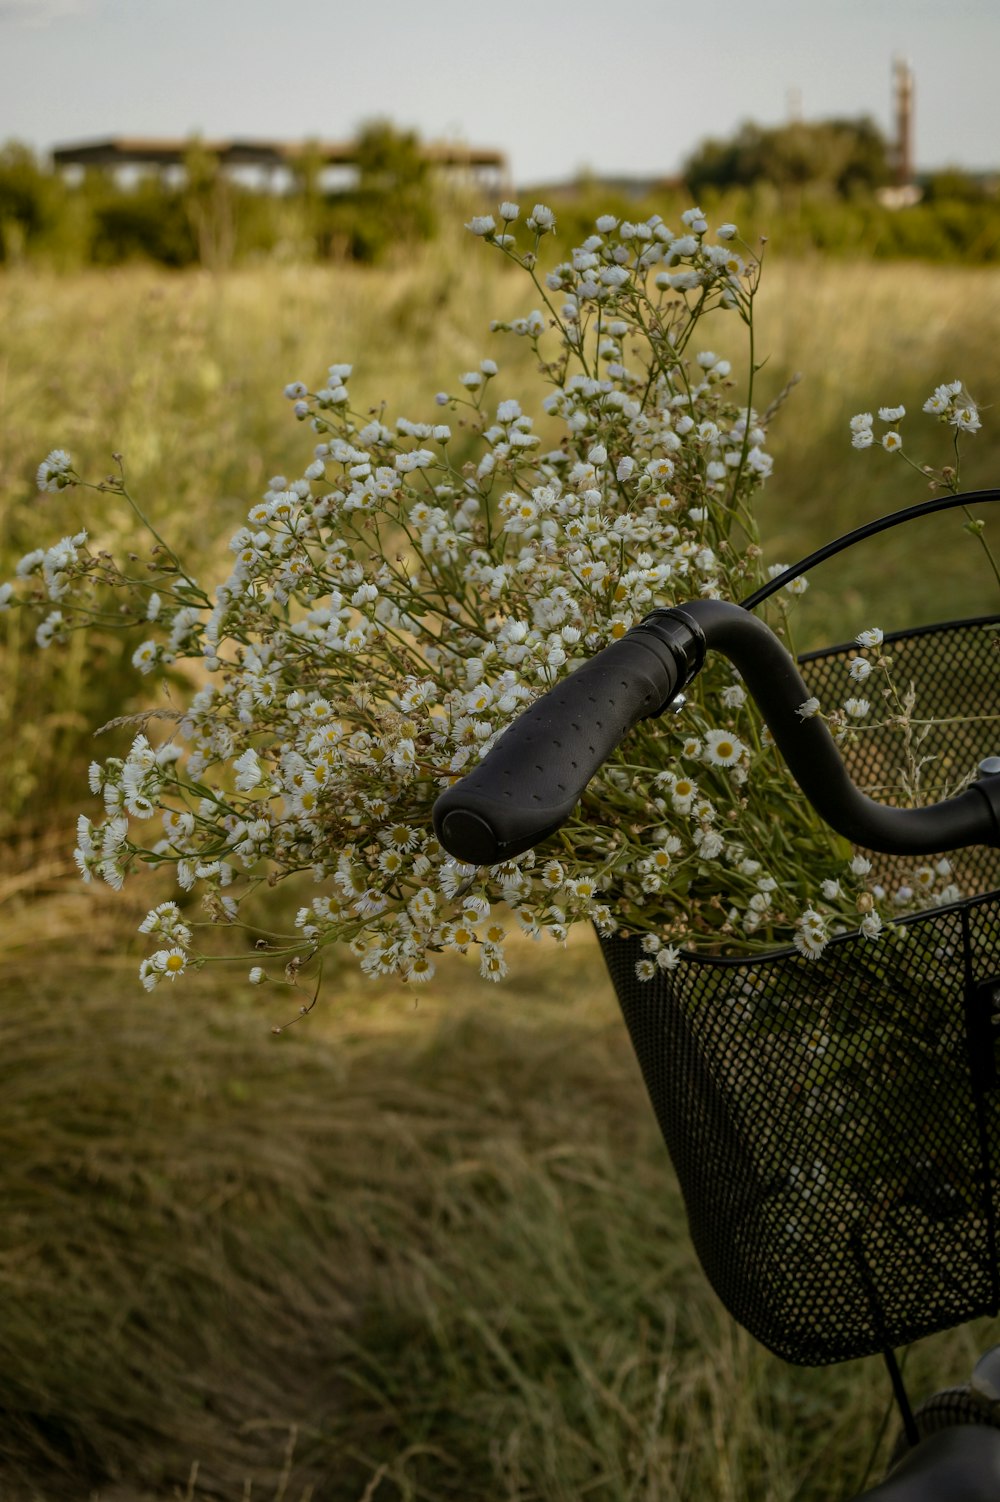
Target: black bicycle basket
x=834, y=1122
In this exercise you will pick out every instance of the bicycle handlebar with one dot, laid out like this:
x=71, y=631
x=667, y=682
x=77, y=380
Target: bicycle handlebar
x=533, y=778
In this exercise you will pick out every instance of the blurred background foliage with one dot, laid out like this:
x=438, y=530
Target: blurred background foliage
x=817, y=183
x=209, y=219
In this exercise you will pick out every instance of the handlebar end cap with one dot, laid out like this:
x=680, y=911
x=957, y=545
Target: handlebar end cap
x=469, y=838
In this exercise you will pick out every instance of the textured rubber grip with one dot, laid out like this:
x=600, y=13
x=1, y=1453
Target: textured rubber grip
x=534, y=776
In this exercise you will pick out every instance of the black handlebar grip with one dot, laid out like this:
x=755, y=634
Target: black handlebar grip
x=534, y=776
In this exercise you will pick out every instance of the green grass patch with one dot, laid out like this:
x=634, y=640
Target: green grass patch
x=419, y=1247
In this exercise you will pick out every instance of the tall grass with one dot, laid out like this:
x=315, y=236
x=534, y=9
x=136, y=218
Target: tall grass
x=427, y=1252
x=863, y=336
x=183, y=374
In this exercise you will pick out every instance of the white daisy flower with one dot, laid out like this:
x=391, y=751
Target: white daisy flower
x=810, y=936
x=871, y=925
x=966, y=419
x=723, y=749
x=53, y=472
x=872, y=637
x=249, y=771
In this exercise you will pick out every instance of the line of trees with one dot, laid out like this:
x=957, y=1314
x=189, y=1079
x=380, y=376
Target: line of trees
x=810, y=185
x=846, y=158
x=209, y=219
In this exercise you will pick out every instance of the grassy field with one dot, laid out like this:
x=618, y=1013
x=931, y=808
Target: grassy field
x=433, y=1252
x=183, y=376
x=404, y=1252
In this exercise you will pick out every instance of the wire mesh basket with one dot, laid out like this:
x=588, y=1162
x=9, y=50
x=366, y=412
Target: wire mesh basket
x=835, y=1123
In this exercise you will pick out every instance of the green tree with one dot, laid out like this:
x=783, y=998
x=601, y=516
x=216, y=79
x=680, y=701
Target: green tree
x=393, y=202
x=954, y=185
x=841, y=157
x=31, y=200
x=145, y=222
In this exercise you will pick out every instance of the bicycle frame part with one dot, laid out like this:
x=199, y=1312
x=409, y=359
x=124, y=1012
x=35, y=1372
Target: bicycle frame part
x=960, y=1464
x=532, y=779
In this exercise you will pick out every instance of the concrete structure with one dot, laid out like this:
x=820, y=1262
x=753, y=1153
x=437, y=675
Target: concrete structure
x=272, y=163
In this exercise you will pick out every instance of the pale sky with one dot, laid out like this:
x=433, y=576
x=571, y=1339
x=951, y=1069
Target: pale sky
x=559, y=85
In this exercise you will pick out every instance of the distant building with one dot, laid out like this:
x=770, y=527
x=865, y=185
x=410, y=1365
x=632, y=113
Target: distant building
x=269, y=164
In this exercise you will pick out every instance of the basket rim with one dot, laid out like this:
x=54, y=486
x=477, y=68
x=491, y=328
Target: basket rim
x=905, y=634
x=789, y=951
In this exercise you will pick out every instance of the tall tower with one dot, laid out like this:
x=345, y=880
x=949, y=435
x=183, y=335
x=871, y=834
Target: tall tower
x=903, y=146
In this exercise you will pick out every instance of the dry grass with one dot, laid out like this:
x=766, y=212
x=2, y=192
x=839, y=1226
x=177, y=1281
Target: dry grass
x=865, y=336
x=183, y=375
x=405, y=1251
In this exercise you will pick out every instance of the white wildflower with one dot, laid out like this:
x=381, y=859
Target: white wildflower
x=542, y=219
x=871, y=925
x=723, y=749
x=146, y=656
x=248, y=770
x=695, y=221
x=171, y=962
x=872, y=637
x=54, y=471
x=966, y=419
x=810, y=934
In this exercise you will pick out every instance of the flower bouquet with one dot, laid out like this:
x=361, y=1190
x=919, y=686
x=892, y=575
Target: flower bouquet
x=388, y=612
